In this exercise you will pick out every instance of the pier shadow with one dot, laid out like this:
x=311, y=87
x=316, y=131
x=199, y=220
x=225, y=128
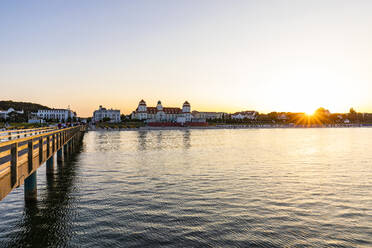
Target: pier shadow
x=47, y=222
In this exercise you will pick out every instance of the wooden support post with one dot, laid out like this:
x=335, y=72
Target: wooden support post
x=65, y=151
x=50, y=165
x=69, y=147
x=31, y=187
x=30, y=156
x=60, y=155
x=13, y=165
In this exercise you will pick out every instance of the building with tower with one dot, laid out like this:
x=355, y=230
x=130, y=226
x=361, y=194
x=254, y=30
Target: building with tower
x=162, y=114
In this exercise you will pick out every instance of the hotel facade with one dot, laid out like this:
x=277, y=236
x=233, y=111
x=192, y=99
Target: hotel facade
x=162, y=114
x=55, y=114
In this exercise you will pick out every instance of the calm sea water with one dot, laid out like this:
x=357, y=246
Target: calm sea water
x=202, y=188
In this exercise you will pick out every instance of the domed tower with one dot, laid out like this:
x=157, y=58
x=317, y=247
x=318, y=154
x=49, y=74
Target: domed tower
x=159, y=107
x=142, y=110
x=142, y=106
x=186, y=110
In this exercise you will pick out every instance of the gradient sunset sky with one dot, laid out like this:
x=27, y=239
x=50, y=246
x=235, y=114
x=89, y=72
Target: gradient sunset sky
x=219, y=55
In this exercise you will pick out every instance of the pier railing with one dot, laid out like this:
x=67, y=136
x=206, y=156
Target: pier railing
x=21, y=133
x=21, y=157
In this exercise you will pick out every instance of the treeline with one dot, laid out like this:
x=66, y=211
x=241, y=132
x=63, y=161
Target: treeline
x=28, y=107
x=321, y=116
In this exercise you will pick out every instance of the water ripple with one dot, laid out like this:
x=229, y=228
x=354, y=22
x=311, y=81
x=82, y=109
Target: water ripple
x=202, y=188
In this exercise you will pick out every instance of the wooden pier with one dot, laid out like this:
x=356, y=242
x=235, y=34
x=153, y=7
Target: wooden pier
x=20, y=158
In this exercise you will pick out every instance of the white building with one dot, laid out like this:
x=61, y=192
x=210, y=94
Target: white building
x=4, y=114
x=163, y=114
x=208, y=115
x=251, y=115
x=102, y=113
x=55, y=114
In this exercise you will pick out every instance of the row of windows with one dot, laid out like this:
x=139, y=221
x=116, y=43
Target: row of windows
x=53, y=111
x=154, y=115
x=53, y=115
x=107, y=115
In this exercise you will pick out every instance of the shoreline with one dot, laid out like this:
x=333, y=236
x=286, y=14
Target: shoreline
x=218, y=127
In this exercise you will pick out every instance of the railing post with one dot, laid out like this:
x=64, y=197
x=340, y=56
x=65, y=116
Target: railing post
x=48, y=147
x=30, y=156
x=13, y=166
x=54, y=143
x=41, y=150
x=57, y=141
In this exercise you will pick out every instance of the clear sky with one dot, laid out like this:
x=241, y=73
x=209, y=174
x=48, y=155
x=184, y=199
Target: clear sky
x=226, y=55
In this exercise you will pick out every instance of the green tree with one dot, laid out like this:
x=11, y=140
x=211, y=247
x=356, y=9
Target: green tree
x=106, y=119
x=352, y=115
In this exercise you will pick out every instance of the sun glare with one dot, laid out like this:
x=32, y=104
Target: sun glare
x=310, y=112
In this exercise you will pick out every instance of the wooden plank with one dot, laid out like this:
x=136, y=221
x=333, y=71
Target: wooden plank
x=22, y=159
x=20, y=148
x=4, y=166
x=3, y=154
x=4, y=172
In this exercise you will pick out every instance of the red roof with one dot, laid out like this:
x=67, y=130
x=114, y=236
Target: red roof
x=154, y=110
x=172, y=110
